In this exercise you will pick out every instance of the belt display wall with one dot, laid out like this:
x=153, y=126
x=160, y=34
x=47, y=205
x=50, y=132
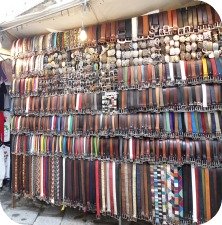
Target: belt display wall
x=127, y=124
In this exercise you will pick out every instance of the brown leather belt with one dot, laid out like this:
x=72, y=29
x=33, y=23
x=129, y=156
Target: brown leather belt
x=140, y=26
x=121, y=32
x=145, y=26
x=103, y=36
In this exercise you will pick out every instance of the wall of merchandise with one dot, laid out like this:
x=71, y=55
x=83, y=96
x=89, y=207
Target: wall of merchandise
x=127, y=124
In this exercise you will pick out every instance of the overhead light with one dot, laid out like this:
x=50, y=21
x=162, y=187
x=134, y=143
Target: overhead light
x=83, y=35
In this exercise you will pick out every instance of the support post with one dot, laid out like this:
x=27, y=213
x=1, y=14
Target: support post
x=120, y=197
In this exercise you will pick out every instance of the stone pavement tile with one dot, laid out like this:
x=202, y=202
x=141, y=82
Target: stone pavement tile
x=6, y=204
x=72, y=222
x=48, y=220
x=52, y=211
x=73, y=216
x=77, y=217
x=22, y=216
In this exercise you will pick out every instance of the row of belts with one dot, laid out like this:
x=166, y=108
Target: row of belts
x=171, y=48
x=21, y=167
x=204, y=47
x=58, y=63
x=158, y=193
x=146, y=75
x=205, y=199
x=197, y=124
x=25, y=86
x=64, y=103
x=190, y=18
x=169, y=73
x=202, y=152
x=49, y=42
x=193, y=51
x=176, y=98
x=94, y=186
x=197, y=97
x=201, y=51
x=193, y=18
x=34, y=64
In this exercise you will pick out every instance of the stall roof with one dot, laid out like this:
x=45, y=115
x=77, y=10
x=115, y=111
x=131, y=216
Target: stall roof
x=59, y=15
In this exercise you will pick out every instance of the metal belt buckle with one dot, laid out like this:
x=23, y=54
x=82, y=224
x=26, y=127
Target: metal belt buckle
x=218, y=134
x=195, y=136
x=166, y=29
x=121, y=40
x=192, y=160
x=171, y=158
x=112, y=39
x=205, y=27
x=175, y=30
x=151, y=34
x=218, y=25
x=200, y=28
x=198, y=162
x=210, y=26
x=212, y=165
x=181, y=31
x=204, y=164
x=187, y=30
x=161, y=32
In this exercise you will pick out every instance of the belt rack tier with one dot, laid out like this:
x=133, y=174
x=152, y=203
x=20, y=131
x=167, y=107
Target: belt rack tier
x=127, y=124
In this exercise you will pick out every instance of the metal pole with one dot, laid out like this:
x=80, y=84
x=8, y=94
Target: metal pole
x=120, y=196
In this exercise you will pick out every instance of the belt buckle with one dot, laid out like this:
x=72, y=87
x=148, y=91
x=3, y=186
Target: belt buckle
x=175, y=30
x=210, y=26
x=155, y=28
x=121, y=40
x=187, y=30
x=166, y=29
x=151, y=35
x=112, y=39
x=217, y=25
x=161, y=32
x=205, y=27
x=181, y=31
x=200, y=28
x=204, y=163
x=198, y=162
x=192, y=160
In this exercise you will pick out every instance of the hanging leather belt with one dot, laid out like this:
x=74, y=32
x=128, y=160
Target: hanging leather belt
x=103, y=33
x=123, y=191
x=179, y=17
x=113, y=31
x=108, y=31
x=121, y=30
x=140, y=27
x=145, y=26
x=174, y=19
x=128, y=27
x=97, y=177
x=138, y=189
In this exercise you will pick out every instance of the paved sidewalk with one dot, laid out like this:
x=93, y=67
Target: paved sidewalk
x=35, y=212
